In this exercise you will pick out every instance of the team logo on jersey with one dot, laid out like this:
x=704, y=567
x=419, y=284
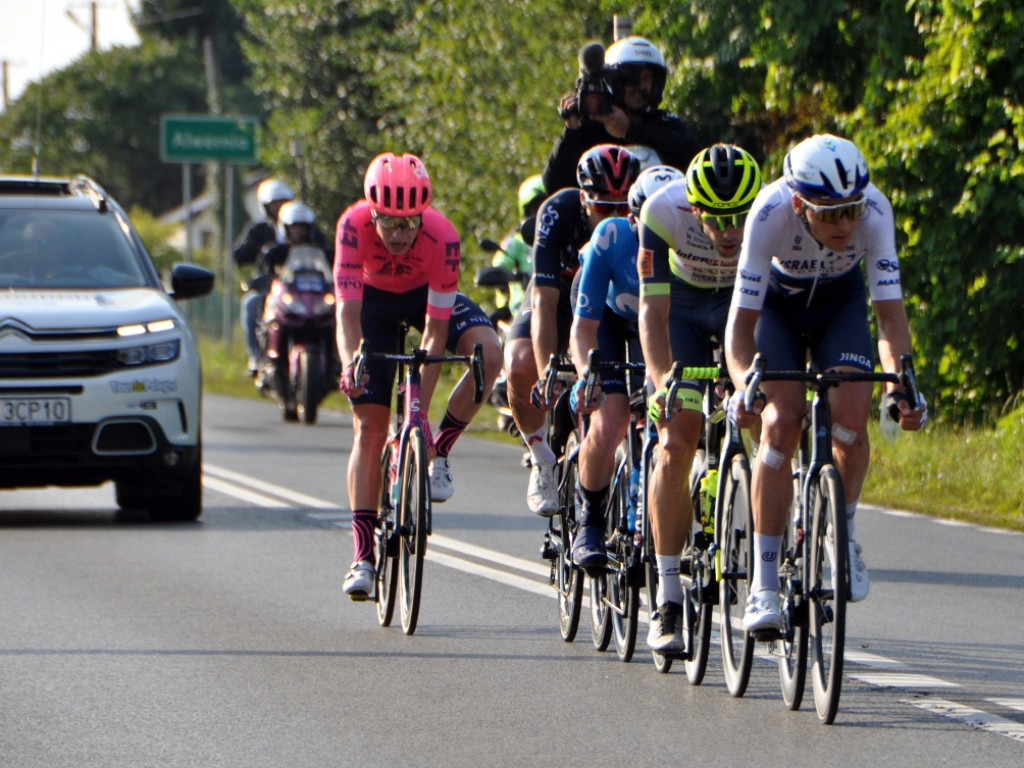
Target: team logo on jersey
x=645, y=263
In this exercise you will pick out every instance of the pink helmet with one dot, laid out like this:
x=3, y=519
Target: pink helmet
x=397, y=186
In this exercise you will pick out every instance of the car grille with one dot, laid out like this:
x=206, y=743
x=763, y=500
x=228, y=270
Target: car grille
x=37, y=365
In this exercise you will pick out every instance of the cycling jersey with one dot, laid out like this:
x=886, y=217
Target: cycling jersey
x=561, y=230
x=777, y=245
x=608, y=275
x=679, y=246
x=363, y=260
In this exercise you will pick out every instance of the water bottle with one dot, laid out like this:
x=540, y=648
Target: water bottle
x=394, y=486
x=708, y=495
x=634, y=495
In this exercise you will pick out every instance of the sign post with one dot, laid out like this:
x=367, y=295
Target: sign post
x=191, y=139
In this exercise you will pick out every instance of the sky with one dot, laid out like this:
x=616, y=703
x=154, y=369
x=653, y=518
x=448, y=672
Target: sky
x=37, y=36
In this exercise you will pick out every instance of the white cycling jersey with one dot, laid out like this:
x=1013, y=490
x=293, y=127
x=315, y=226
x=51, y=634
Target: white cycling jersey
x=776, y=242
x=693, y=257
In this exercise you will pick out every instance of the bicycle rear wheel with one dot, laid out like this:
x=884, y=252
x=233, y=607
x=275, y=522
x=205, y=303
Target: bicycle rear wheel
x=735, y=528
x=699, y=589
x=829, y=579
x=386, y=549
x=568, y=578
x=412, y=527
x=624, y=579
x=600, y=585
x=791, y=648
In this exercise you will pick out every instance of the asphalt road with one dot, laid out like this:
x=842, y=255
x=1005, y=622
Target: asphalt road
x=229, y=642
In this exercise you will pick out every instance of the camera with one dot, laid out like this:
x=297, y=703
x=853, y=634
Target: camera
x=594, y=88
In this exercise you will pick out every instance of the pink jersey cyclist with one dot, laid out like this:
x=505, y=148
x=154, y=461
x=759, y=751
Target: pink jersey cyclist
x=397, y=261
x=433, y=259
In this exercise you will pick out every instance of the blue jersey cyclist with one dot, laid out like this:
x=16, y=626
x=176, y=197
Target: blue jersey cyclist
x=690, y=235
x=541, y=329
x=802, y=291
x=606, y=305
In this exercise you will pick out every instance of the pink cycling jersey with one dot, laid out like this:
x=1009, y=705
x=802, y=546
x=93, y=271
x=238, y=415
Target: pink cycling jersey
x=362, y=259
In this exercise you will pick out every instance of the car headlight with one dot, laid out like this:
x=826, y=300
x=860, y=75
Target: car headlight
x=162, y=351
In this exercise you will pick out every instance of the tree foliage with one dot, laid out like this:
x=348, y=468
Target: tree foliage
x=930, y=89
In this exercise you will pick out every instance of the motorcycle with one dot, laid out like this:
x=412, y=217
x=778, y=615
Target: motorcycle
x=298, y=363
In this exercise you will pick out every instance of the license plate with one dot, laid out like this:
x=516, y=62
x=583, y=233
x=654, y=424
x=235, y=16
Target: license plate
x=19, y=411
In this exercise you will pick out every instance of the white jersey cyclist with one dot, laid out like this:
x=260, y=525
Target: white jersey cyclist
x=693, y=257
x=778, y=248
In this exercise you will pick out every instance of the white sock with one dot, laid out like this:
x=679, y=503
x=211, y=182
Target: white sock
x=540, y=451
x=766, y=562
x=851, y=510
x=670, y=589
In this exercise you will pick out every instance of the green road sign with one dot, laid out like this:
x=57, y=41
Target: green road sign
x=202, y=138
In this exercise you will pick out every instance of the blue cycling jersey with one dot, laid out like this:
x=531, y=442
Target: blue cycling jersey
x=608, y=275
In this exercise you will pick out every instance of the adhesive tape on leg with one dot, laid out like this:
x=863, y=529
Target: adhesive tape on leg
x=843, y=435
x=770, y=457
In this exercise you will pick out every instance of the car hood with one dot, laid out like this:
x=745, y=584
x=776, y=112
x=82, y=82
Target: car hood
x=78, y=309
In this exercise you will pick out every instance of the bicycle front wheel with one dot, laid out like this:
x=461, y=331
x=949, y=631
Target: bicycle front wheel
x=829, y=587
x=735, y=529
x=413, y=510
x=386, y=549
x=568, y=578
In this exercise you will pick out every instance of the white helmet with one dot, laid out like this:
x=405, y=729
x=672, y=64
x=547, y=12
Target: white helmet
x=292, y=212
x=648, y=157
x=631, y=54
x=271, y=190
x=649, y=182
x=826, y=166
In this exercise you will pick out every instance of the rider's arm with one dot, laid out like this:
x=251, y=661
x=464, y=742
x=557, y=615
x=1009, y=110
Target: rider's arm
x=444, y=256
x=349, y=329
x=348, y=289
x=739, y=343
x=894, y=342
x=655, y=299
x=544, y=324
x=435, y=334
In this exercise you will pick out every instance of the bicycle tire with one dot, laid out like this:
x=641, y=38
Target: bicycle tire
x=568, y=578
x=829, y=582
x=791, y=648
x=386, y=570
x=662, y=663
x=412, y=527
x=600, y=607
x=698, y=588
x=734, y=526
x=623, y=586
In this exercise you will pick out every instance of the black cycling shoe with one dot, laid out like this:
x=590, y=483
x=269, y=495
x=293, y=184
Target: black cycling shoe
x=588, y=550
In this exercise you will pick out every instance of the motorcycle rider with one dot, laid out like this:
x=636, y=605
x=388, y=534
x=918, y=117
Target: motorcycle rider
x=296, y=225
x=398, y=260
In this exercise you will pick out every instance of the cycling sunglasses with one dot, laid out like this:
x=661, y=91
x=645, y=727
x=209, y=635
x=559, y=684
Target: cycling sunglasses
x=621, y=207
x=401, y=222
x=831, y=214
x=736, y=220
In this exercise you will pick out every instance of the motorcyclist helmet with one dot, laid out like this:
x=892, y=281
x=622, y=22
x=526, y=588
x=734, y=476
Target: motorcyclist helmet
x=397, y=185
x=648, y=182
x=628, y=56
x=272, y=191
x=607, y=169
x=531, y=194
x=723, y=179
x=826, y=166
x=291, y=213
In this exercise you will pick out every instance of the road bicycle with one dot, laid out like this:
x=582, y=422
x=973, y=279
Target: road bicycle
x=615, y=591
x=404, y=517
x=718, y=501
x=564, y=438
x=814, y=576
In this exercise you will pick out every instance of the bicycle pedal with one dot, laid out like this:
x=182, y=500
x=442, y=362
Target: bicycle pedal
x=548, y=552
x=766, y=635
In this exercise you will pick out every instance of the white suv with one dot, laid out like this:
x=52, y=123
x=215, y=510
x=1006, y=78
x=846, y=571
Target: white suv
x=99, y=370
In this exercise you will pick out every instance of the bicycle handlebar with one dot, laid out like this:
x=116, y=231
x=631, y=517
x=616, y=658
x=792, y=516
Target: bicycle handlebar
x=419, y=357
x=680, y=373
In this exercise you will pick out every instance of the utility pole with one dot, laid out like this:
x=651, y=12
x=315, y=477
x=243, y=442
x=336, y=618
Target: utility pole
x=93, y=26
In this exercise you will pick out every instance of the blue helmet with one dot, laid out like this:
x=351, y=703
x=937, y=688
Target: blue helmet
x=826, y=166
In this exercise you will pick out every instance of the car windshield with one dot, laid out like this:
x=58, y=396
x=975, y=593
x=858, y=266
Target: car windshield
x=66, y=249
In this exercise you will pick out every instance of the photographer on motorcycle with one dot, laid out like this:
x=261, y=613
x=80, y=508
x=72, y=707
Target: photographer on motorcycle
x=618, y=95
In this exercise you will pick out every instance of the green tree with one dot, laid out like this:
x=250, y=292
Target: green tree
x=101, y=116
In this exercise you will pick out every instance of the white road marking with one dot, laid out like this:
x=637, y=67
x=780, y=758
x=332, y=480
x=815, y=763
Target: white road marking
x=971, y=716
